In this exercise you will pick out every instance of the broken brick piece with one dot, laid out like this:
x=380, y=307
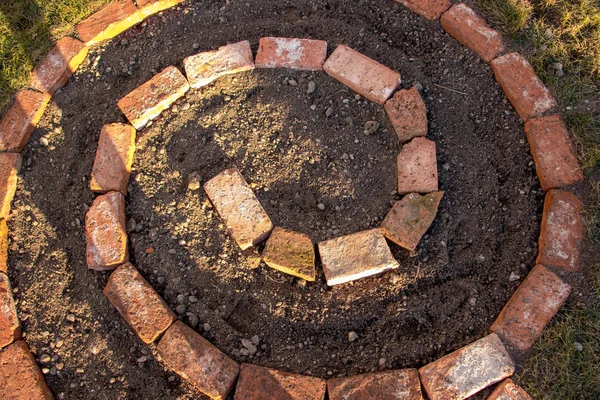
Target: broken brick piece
x=507, y=390
x=114, y=157
x=10, y=164
x=355, y=256
x=109, y=21
x=3, y=246
x=143, y=309
x=410, y=218
x=21, y=119
x=362, y=74
x=408, y=114
x=430, y=9
x=105, y=232
x=203, y=68
x=303, y=54
x=20, y=377
x=10, y=329
x=290, y=252
x=198, y=361
x=467, y=370
x=259, y=383
x=401, y=384
x=417, y=167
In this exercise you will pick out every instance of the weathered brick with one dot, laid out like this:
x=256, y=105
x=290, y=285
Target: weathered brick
x=467, y=370
x=259, y=383
x=195, y=359
x=3, y=246
x=531, y=307
x=430, y=9
x=147, y=101
x=105, y=232
x=561, y=231
x=150, y=7
x=523, y=88
x=355, y=256
x=555, y=161
x=20, y=377
x=408, y=114
x=203, y=68
x=417, y=167
x=507, y=390
x=244, y=216
x=114, y=157
x=143, y=309
x=402, y=384
x=109, y=21
x=10, y=164
x=10, y=329
x=410, y=218
x=59, y=64
x=362, y=74
x=471, y=30
x=290, y=252
x=21, y=119
x=304, y=54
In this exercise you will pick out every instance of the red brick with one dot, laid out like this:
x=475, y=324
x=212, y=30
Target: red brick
x=150, y=7
x=110, y=21
x=3, y=246
x=467, y=370
x=114, y=157
x=290, y=252
x=244, y=216
x=561, y=231
x=195, y=359
x=408, y=114
x=21, y=119
x=355, y=256
x=524, y=89
x=362, y=74
x=430, y=9
x=153, y=97
x=105, y=232
x=59, y=64
x=20, y=377
x=10, y=164
x=417, y=167
x=259, y=383
x=203, y=68
x=555, y=161
x=402, y=384
x=10, y=329
x=143, y=309
x=471, y=30
x=410, y=218
x=304, y=54
x=507, y=390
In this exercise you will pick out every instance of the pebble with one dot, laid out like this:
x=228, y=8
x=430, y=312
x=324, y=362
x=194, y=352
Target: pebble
x=321, y=206
x=311, y=87
x=256, y=340
x=578, y=346
x=193, y=299
x=70, y=318
x=292, y=82
x=352, y=336
x=45, y=358
x=180, y=309
x=249, y=346
x=514, y=277
x=370, y=127
x=193, y=181
x=44, y=141
x=446, y=166
x=206, y=327
x=180, y=298
x=329, y=111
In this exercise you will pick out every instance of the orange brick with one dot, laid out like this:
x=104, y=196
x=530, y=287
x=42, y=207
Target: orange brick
x=203, y=68
x=259, y=383
x=21, y=119
x=471, y=30
x=467, y=370
x=507, y=390
x=10, y=164
x=410, y=218
x=195, y=359
x=524, y=89
x=555, y=161
x=105, y=232
x=114, y=157
x=143, y=309
x=290, y=252
x=304, y=54
x=3, y=246
x=153, y=97
x=362, y=74
x=150, y=7
x=408, y=114
x=244, y=216
x=402, y=384
x=355, y=256
x=430, y=9
x=10, y=329
x=59, y=64
x=20, y=377
x=417, y=167
x=110, y=21
x=561, y=231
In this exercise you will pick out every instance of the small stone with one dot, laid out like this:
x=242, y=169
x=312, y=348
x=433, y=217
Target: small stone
x=45, y=358
x=578, y=346
x=249, y=346
x=193, y=299
x=292, y=82
x=312, y=86
x=352, y=336
x=329, y=112
x=256, y=340
x=514, y=276
x=206, y=327
x=180, y=309
x=70, y=318
x=370, y=127
x=321, y=206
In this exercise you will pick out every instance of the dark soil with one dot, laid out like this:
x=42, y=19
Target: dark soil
x=444, y=295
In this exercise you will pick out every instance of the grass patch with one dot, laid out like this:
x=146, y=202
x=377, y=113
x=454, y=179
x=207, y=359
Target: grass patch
x=511, y=15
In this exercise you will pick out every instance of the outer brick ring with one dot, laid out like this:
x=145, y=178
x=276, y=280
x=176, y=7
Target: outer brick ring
x=454, y=376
